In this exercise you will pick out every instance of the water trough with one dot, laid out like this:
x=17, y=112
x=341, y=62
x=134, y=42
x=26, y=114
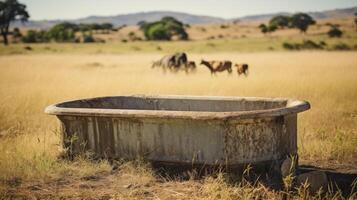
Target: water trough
x=182, y=129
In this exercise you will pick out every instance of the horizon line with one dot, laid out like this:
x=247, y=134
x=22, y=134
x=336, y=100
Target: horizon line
x=223, y=18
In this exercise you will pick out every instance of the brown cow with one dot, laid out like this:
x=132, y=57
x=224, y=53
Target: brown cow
x=191, y=64
x=242, y=69
x=218, y=66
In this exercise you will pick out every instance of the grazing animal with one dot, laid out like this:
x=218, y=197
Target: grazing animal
x=218, y=66
x=191, y=64
x=242, y=69
x=166, y=61
x=180, y=59
x=172, y=61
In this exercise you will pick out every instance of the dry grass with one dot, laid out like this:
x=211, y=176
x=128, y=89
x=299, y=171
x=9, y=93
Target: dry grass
x=29, y=140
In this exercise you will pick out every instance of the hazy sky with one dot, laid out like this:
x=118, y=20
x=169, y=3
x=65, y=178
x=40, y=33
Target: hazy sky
x=71, y=9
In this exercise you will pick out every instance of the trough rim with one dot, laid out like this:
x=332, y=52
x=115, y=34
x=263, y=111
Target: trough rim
x=293, y=107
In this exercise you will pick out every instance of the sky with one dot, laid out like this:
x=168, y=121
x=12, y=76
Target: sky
x=73, y=9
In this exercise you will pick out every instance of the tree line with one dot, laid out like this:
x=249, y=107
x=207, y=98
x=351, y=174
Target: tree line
x=301, y=21
x=168, y=28
x=66, y=32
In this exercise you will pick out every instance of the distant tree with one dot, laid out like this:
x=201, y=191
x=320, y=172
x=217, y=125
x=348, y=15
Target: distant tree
x=267, y=29
x=16, y=33
x=107, y=26
x=356, y=19
x=302, y=21
x=334, y=31
x=157, y=31
x=34, y=36
x=272, y=28
x=88, y=38
x=263, y=28
x=63, y=32
x=30, y=37
x=11, y=10
x=164, y=29
x=280, y=21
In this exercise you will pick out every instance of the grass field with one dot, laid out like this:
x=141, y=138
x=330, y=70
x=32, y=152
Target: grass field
x=30, y=142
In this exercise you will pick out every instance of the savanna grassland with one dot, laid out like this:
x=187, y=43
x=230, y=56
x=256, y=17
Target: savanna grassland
x=33, y=76
x=30, y=141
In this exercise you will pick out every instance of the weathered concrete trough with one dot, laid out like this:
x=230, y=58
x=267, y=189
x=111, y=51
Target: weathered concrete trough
x=182, y=129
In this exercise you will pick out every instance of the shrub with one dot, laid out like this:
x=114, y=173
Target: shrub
x=341, y=47
x=309, y=44
x=334, y=32
x=16, y=33
x=88, y=39
x=290, y=46
x=34, y=36
x=306, y=44
x=63, y=32
x=30, y=37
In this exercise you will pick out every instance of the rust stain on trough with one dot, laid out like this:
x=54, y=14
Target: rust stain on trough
x=182, y=129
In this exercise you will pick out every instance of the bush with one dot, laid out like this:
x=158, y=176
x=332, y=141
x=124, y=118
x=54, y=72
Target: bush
x=341, y=47
x=309, y=44
x=16, y=33
x=334, y=32
x=34, y=36
x=88, y=39
x=30, y=37
x=63, y=32
x=291, y=46
x=306, y=44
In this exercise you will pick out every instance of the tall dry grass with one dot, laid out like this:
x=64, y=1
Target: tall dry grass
x=29, y=140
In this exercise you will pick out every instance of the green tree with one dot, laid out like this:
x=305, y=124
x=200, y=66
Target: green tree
x=263, y=28
x=334, y=31
x=164, y=29
x=107, y=26
x=280, y=21
x=64, y=32
x=88, y=38
x=267, y=29
x=157, y=31
x=11, y=10
x=34, y=36
x=302, y=21
x=356, y=19
x=30, y=37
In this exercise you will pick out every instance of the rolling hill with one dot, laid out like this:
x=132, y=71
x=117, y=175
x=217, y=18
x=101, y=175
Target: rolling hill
x=134, y=18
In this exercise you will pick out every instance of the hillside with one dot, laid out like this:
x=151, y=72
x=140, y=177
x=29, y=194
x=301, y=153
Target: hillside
x=134, y=18
x=336, y=14
x=128, y=19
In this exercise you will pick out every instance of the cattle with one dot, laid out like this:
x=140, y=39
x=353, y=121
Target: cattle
x=180, y=59
x=242, y=69
x=218, y=66
x=191, y=64
x=174, y=61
